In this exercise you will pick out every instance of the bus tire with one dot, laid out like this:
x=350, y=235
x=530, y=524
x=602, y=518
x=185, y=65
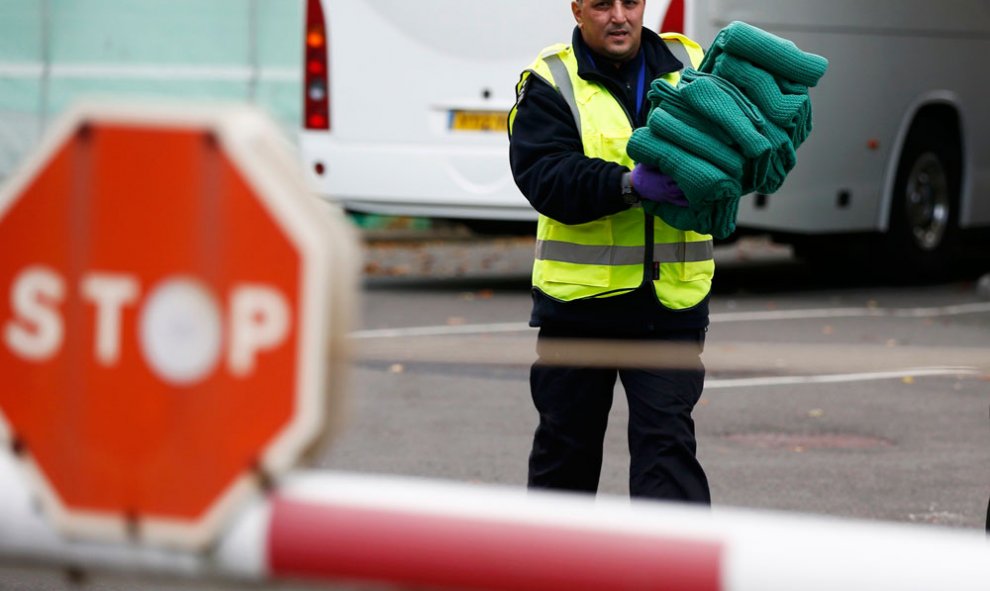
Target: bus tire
x=923, y=235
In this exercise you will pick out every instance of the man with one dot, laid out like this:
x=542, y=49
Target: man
x=604, y=268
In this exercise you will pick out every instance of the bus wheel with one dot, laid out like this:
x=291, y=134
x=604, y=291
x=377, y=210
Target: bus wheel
x=924, y=218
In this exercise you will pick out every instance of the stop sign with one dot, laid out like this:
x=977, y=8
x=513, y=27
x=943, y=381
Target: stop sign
x=166, y=318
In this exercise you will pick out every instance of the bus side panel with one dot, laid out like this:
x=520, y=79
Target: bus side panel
x=889, y=16
x=836, y=162
x=976, y=142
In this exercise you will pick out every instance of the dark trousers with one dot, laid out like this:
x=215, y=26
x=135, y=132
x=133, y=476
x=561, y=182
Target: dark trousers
x=574, y=402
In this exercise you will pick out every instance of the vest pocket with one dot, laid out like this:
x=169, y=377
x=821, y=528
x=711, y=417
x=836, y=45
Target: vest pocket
x=571, y=274
x=672, y=274
x=575, y=268
x=698, y=271
x=682, y=286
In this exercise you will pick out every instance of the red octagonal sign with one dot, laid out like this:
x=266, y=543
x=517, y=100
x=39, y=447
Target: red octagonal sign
x=164, y=318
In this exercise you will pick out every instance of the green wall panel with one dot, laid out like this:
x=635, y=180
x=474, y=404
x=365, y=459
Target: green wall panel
x=20, y=31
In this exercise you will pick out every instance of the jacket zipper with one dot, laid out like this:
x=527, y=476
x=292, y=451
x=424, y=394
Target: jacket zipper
x=649, y=273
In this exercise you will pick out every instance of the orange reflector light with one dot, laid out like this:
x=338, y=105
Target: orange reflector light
x=315, y=38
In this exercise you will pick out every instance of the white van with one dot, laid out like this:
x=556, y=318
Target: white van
x=418, y=92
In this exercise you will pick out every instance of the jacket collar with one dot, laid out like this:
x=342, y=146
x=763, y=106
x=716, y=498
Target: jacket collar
x=659, y=59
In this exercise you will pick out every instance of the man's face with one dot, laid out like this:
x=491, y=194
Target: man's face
x=612, y=28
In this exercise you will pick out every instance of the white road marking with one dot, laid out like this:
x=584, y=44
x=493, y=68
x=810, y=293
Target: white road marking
x=869, y=312
x=915, y=372
x=716, y=318
x=443, y=330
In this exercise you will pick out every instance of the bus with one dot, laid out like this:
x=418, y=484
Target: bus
x=413, y=97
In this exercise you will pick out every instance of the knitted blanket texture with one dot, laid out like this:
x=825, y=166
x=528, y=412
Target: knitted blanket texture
x=791, y=111
x=779, y=56
x=697, y=141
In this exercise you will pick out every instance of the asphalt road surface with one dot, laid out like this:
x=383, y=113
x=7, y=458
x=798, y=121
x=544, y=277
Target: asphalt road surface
x=885, y=417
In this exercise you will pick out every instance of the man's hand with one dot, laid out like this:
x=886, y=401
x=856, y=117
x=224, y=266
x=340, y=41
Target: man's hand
x=654, y=185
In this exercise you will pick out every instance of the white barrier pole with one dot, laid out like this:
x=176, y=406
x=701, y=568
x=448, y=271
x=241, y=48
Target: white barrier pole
x=332, y=527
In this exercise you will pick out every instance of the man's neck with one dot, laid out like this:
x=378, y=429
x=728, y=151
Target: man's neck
x=604, y=61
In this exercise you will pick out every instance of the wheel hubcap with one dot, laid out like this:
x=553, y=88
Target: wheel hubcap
x=927, y=206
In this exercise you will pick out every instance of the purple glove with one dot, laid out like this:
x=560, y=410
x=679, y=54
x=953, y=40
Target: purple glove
x=654, y=185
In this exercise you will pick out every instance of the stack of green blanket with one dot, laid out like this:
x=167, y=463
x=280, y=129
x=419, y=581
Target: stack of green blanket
x=731, y=127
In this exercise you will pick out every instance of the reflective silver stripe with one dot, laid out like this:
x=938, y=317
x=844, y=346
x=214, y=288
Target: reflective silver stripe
x=563, y=81
x=684, y=252
x=679, y=51
x=584, y=254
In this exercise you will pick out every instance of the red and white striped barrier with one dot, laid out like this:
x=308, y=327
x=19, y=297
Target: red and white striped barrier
x=333, y=527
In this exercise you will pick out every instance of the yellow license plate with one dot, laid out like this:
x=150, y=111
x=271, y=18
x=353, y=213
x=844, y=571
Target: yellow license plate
x=479, y=121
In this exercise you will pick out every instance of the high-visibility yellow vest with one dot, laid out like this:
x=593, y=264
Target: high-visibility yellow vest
x=607, y=257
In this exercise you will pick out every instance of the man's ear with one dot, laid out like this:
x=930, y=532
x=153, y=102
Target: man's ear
x=576, y=10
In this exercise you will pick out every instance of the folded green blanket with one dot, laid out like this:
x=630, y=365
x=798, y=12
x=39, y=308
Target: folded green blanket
x=766, y=171
x=696, y=141
x=713, y=195
x=720, y=102
x=662, y=93
x=789, y=87
x=782, y=160
x=760, y=171
x=791, y=111
x=779, y=56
